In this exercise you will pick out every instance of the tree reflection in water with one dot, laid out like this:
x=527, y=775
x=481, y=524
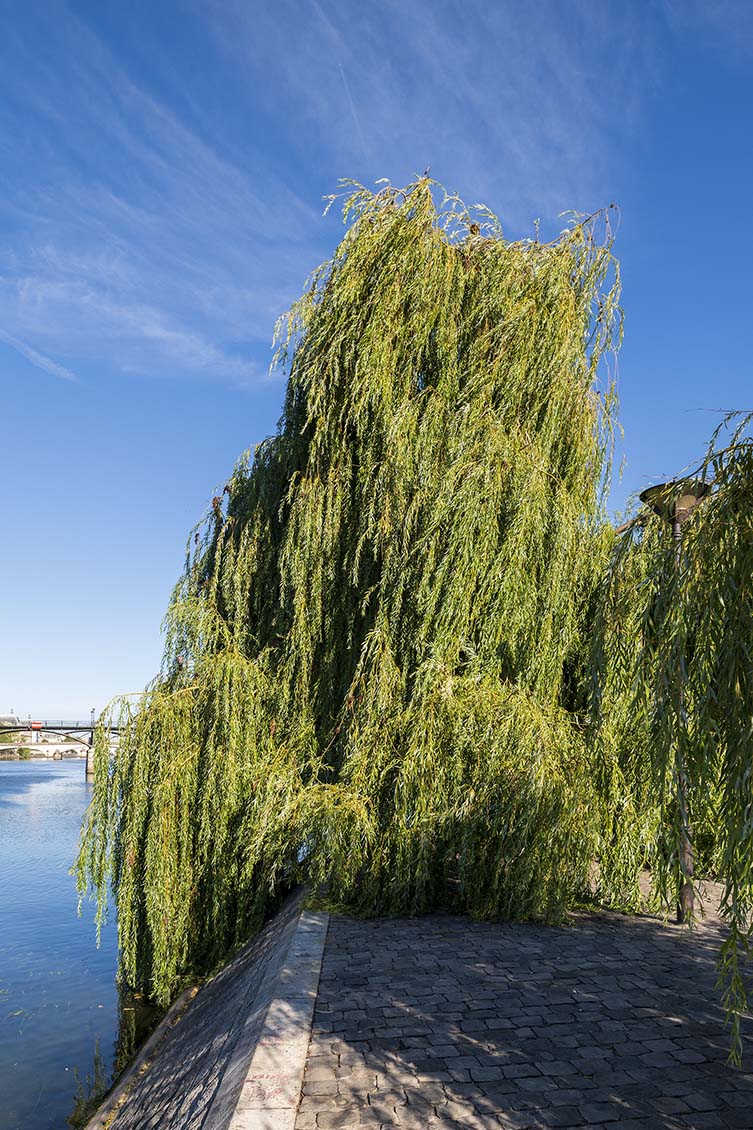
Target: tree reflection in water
x=137, y=1018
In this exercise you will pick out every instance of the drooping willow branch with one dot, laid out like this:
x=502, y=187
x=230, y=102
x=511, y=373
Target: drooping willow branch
x=662, y=626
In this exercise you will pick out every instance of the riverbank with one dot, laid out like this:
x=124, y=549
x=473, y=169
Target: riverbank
x=442, y=1022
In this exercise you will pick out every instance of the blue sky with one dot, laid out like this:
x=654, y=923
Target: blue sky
x=162, y=168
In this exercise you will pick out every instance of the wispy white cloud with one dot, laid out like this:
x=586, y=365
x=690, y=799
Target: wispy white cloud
x=37, y=358
x=531, y=108
x=144, y=338
x=160, y=215
x=136, y=240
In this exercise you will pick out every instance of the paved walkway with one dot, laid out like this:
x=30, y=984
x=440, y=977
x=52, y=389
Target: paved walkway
x=441, y=1022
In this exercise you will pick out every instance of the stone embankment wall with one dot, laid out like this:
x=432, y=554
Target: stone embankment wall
x=231, y=1056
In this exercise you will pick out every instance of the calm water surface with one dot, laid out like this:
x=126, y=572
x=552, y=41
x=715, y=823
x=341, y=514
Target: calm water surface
x=58, y=1001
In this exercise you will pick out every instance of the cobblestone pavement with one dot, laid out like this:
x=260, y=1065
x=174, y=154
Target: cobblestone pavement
x=441, y=1022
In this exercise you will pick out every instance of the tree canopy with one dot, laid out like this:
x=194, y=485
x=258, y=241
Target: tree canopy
x=377, y=662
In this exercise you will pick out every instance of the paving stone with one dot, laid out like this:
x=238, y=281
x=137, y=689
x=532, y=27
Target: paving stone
x=670, y=1105
x=412, y=1119
x=320, y=1087
x=738, y=1119
x=735, y=1098
x=563, y=1116
x=558, y=1067
x=324, y=1102
x=486, y=1074
x=599, y=1112
x=536, y=1085
x=685, y=1055
x=336, y=1120
x=520, y=1070
x=706, y=1102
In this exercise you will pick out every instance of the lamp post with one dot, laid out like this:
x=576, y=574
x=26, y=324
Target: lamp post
x=675, y=502
x=89, y=771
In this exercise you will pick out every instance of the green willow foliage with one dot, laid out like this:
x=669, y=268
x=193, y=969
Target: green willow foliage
x=376, y=664
x=674, y=702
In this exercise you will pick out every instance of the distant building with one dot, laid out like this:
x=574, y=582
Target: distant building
x=9, y=720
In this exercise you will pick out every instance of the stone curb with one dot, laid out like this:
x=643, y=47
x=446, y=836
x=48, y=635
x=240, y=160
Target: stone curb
x=271, y=1089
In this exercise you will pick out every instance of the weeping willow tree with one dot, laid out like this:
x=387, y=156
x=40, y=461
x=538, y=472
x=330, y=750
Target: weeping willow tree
x=674, y=694
x=375, y=672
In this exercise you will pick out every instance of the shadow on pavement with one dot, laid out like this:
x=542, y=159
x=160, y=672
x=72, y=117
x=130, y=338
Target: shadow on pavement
x=443, y=1022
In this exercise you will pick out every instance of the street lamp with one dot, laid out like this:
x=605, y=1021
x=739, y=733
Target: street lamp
x=675, y=502
x=89, y=758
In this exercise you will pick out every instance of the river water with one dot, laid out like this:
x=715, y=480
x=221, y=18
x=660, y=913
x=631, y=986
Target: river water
x=59, y=1007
